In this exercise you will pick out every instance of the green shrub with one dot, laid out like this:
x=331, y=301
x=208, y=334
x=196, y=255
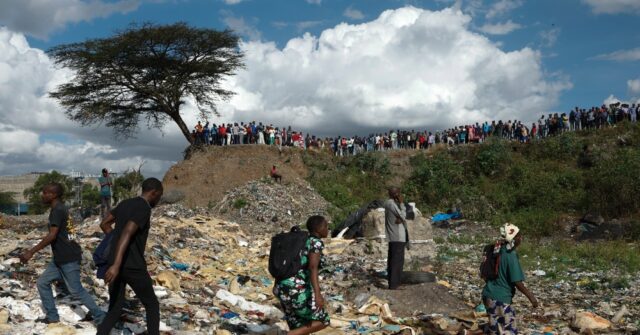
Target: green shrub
x=493, y=157
x=614, y=183
x=561, y=255
x=534, y=222
x=437, y=181
x=240, y=203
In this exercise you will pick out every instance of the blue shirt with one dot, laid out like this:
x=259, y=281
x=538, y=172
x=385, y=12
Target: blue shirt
x=105, y=190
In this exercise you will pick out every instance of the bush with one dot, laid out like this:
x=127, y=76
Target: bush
x=535, y=222
x=565, y=147
x=436, y=182
x=240, y=203
x=614, y=183
x=493, y=158
x=33, y=194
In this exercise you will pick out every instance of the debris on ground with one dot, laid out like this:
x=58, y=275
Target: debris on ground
x=263, y=206
x=210, y=275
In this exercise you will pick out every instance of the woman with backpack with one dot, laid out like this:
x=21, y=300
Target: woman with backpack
x=502, y=282
x=300, y=294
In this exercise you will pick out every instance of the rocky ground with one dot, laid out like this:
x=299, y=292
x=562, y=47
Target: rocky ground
x=211, y=277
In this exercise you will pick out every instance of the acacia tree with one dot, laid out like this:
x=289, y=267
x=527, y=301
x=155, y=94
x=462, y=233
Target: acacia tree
x=144, y=73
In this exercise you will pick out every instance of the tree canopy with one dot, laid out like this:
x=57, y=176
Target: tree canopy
x=33, y=194
x=7, y=199
x=144, y=73
x=127, y=185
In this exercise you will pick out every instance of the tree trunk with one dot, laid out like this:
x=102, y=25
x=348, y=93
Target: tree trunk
x=175, y=115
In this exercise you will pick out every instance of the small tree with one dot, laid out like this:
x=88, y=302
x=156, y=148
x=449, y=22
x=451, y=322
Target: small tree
x=127, y=185
x=144, y=73
x=90, y=195
x=7, y=201
x=33, y=194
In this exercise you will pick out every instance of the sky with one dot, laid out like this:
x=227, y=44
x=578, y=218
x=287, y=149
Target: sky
x=326, y=67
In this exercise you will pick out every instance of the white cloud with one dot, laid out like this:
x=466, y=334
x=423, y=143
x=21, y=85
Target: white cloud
x=14, y=140
x=303, y=25
x=241, y=26
x=300, y=26
x=634, y=86
x=408, y=68
x=35, y=135
x=232, y=2
x=621, y=55
x=500, y=28
x=353, y=13
x=614, y=6
x=549, y=37
x=611, y=99
x=314, y=2
x=502, y=7
x=39, y=18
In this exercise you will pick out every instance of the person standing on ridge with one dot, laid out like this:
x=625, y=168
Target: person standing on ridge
x=106, y=182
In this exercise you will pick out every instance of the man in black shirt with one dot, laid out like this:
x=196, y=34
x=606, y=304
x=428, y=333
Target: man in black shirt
x=67, y=255
x=126, y=258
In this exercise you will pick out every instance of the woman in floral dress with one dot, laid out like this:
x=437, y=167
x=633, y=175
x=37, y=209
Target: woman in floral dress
x=300, y=295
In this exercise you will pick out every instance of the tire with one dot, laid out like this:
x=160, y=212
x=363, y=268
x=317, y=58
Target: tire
x=417, y=277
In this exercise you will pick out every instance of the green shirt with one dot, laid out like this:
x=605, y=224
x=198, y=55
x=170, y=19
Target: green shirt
x=503, y=288
x=105, y=190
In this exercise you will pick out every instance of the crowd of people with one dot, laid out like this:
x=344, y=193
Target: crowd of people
x=547, y=125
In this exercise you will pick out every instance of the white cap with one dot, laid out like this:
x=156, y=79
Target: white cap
x=509, y=231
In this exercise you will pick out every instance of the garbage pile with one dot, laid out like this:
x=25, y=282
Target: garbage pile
x=211, y=277
x=263, y=204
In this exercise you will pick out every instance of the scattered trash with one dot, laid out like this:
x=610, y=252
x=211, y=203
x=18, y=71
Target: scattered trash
x=179, y=266
x=620, y=314
x=589, y=321
x=169, y=280
x=211, y=278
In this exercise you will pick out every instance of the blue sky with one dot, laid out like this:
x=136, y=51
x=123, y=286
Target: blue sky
x=329, y=67
x=581, y=34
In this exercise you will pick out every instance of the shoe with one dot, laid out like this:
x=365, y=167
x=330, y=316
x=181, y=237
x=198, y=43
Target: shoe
x=47, y=321
x=87, y=318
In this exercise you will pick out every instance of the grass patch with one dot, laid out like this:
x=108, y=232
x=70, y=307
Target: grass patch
x=447, y=253
x=560, y=256
x=240, y=203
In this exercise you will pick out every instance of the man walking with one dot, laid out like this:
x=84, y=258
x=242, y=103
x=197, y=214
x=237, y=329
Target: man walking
x=126, y=259
x=105, y=192
x=497, y=294
x=67, y=255
x=396, y=230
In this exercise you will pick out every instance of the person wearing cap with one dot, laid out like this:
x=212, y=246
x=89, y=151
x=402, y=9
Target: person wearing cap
x=105, y=182
x=497, y=294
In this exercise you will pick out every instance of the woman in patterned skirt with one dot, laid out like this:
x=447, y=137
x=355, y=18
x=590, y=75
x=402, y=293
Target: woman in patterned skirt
x=300, y=295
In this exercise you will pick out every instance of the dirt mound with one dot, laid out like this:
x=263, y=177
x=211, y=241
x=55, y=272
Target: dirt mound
x=264, y=206
x=209, y=174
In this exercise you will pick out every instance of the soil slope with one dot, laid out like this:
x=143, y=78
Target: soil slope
x=208, y=175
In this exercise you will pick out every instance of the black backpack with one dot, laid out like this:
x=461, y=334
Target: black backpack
x=490, y=262
x=284, y=256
